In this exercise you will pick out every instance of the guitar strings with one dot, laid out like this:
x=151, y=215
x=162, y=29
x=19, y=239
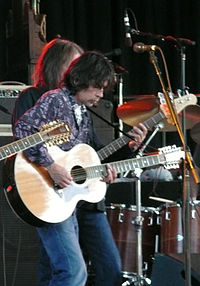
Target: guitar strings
x=82, y=173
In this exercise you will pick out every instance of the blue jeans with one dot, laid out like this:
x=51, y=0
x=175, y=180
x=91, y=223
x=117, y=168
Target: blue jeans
x=64, y=265
x=97, y=243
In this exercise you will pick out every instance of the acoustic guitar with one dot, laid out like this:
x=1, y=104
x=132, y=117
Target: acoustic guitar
x=35, y=198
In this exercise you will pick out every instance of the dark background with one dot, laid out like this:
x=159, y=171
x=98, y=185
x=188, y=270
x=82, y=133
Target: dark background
x=99, y=25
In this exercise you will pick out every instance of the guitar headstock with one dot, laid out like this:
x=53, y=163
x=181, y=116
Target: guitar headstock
x=55, y=132
x=172, y=156
x=163, y=104
x=185, y=100
x=179, y=103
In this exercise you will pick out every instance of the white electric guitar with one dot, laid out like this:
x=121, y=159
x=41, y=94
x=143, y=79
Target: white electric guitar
x=180, y=103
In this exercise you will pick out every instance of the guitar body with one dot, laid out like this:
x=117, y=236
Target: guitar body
x=36, y=200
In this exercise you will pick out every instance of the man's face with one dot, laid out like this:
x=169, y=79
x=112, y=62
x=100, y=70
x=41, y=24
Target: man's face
x=90, y=96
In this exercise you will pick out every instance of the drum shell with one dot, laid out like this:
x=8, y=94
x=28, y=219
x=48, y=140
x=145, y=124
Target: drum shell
x=171, y=231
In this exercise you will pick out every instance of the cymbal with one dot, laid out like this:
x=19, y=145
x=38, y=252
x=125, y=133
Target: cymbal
x=139, y=110
x=195, y=133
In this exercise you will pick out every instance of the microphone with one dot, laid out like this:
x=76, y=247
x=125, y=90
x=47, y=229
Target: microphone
x=128, y=39
x=115, y=52
x=141, y=48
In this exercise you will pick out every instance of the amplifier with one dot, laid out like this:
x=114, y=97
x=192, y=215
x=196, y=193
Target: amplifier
x=9, y=93
x=6, y=130
x=6, y=108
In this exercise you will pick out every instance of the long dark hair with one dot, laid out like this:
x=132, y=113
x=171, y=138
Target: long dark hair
x=91, y=69
x=55, y=58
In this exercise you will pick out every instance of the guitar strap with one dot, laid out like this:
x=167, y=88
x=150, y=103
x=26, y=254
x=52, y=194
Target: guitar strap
x=109, y=123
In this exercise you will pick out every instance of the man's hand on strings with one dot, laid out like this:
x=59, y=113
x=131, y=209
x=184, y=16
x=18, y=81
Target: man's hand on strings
x=139, y=134
x=59, y=175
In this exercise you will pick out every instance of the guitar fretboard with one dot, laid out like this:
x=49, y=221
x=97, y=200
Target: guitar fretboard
x=123, y=140
x=126, y=165
x=20, y=145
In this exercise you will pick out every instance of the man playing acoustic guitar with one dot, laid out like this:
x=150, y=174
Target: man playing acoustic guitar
x=83, y=86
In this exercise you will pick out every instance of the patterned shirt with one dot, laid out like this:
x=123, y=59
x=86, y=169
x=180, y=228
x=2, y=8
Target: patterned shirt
x=58, y=104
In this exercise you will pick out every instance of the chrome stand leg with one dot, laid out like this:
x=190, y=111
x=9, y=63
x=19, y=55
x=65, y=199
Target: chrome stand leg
x=138, y=279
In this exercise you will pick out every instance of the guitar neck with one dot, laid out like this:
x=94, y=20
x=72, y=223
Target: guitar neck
x=126, y=165
x=20, y=145
x=151, y=122
x=124, y=139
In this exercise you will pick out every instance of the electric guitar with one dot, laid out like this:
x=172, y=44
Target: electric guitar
x=55, y=132
x=35, y=198
x=180, y=103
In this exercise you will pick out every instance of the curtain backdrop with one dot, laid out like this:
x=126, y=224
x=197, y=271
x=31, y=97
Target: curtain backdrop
x=99, y=24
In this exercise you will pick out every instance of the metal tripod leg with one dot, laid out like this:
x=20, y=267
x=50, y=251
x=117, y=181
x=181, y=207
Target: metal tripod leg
x=138, y=279
x=138, y=225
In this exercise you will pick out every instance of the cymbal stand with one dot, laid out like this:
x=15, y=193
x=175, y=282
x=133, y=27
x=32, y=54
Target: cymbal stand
x=137, y=221
x=140, y=279
x=120, y=100
x=156, y=129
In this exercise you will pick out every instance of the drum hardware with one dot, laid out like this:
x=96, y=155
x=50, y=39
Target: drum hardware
x=157, y=236
x=120, y=100
x=161, y=200
x=169, y=217
x=138, y=227
x=121, y=214
x=156, y=129
x=126, y=283
x=139, y=279
x=156, y=246
x=121, y=219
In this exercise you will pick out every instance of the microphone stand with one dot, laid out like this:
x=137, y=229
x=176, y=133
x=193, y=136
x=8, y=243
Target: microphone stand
x=186, y=186
x=176, y=41
x=187, y=165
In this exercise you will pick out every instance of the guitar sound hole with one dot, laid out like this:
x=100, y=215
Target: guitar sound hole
x=78, y=174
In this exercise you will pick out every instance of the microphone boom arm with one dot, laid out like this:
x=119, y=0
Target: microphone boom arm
x=178, y=41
